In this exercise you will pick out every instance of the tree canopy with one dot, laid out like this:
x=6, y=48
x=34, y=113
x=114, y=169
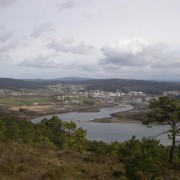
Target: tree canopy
x=166, y=110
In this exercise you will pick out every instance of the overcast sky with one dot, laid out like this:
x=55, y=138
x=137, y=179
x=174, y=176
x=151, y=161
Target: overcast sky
x=128, y=39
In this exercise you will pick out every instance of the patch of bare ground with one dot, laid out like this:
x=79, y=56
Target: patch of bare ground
x=38, y=108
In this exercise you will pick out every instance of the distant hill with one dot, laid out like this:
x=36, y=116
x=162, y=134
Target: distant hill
x=125, y=85
x=16, y=83
x=24, y=83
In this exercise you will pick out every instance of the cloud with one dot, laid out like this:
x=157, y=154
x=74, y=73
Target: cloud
x=4, y=57
x=66, y=5
x=138, y=53
x=85, y=66
x=69, y=4
x=4, y=36
x=41, y=61
x=41, y=29
x=5, y=3
x=8, y=47
x=86, y=15
x=68, y=46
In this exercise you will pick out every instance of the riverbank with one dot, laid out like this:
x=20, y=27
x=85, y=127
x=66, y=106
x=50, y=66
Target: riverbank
x=115, y=120
x=130, y=116
x=125, y=117
x=32, y=112
x=111, y=128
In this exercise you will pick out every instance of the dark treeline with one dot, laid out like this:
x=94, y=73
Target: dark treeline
x=24, y=83
x=133, y=159
x=125, y=85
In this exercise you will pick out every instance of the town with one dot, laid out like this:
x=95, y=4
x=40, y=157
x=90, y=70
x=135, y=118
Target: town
x=60, y=98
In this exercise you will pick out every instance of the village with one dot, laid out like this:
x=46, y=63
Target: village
x=78, y=94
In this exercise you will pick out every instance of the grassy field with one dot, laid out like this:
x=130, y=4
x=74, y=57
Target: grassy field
x=25, y=101
x=40, y=91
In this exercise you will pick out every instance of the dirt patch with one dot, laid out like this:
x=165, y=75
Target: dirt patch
x=40, y=108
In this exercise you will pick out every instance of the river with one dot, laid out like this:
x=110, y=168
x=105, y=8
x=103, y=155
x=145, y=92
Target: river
x=109, y=132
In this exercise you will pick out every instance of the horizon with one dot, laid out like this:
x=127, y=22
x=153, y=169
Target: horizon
x=88, y=78
x=68, y=38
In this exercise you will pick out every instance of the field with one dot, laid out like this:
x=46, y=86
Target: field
x=18, y=101
x=41, y=108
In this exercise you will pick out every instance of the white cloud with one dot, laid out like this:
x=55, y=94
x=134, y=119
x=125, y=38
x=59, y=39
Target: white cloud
x=85, y=66
x=69, y=46
x=41, y=61
x=4, y=36
x=8, y=40
x=86, y=15
x=94, y=24
x=41, y=29
x=4, y=57
x=138, y=53
x=66, y=5
x=5, y=3
x=7, y=47
x=8, y=44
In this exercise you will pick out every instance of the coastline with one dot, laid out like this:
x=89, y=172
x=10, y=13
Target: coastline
x=113, y=118
x=53, y=110
x=129, y=116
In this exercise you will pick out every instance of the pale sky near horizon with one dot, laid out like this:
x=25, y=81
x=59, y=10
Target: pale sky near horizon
x=128, y=39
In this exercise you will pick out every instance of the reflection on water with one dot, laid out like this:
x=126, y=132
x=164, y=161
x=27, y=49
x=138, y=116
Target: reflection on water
x=110, y=131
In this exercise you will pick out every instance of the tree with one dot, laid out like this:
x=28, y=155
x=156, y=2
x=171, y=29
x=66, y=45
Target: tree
x=52, y=129
x=166, y=110
x=3, y=130
x=70, y=128
x=79, y=139
x=145, y=159
x=88, y=102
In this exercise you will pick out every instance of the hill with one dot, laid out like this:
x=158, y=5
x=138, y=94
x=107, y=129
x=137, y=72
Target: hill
x=125, y=85
x=56, y=150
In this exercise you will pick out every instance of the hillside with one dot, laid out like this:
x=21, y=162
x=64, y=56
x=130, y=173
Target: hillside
x=16, y=83
x=125, y=85
x=23, y=161
x=59, y=150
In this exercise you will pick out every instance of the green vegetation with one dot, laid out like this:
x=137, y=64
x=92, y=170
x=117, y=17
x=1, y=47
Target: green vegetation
x=16, y=101
x=125, y=85
x=56, y=149
x=167, y=110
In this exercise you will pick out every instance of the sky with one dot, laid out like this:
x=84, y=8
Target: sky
x=126, y=39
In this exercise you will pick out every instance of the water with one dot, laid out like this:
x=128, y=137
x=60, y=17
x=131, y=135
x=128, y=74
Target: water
x=109, y=132
x=87, y=116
